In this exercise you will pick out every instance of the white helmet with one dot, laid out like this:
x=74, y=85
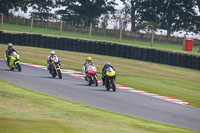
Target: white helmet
x=10, y=45
x=14, y=54
x=53, y=52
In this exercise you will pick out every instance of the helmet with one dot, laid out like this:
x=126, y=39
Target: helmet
x=53, y=52
x=14, y=54
x=10, y=45
x=89, y=58
x=107, y=63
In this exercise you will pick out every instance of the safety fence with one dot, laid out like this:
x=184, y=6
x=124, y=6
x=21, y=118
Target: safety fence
x=103, y=48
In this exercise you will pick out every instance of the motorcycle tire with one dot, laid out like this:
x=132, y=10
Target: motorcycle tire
x=11, y=68
x=59, y=74
x=96, y=81
x=53, y=73
x=113, y=85
x=19, y=67
x=90, y=81
x=107, y=85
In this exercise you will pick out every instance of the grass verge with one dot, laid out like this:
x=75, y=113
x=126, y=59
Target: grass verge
x=55, y=32
x=175, y=82
x=27, y=111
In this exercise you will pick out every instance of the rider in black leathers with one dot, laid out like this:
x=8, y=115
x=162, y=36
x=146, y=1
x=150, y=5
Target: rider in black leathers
x=107, y=65
x=9, y=51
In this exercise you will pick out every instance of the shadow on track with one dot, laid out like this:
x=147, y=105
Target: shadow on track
x=9, y=70
x=47, y=77
x=85, y=85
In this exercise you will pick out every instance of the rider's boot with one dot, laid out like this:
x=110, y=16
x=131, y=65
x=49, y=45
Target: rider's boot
x=8, y=63
x=103, y=81
x=85, y=76
x=48, y=68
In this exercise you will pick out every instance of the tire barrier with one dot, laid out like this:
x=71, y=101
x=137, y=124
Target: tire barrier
x=103, y=48
x=1, y=36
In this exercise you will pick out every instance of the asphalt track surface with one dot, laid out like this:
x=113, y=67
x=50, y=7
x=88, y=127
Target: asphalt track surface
x=122, y=101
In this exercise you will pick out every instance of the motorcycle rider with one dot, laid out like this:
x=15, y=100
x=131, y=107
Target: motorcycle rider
x=86, y=64
x=9, y=51
x=50, y=58
x=107, y=65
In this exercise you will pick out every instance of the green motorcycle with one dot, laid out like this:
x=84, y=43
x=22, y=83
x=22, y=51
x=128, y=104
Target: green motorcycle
x=14, y=62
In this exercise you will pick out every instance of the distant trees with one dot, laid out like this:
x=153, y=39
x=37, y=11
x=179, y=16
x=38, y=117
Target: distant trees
x=131, y=7
x=84, y=12
x=6, y=5
x=41, y=9
x=170, y=15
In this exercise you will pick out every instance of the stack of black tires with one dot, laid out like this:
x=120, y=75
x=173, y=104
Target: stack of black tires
x=102, y=48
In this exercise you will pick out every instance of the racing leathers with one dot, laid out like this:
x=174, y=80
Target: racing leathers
x=51, y=58
x=9, y=51
x=104, y=72
x=85, y=67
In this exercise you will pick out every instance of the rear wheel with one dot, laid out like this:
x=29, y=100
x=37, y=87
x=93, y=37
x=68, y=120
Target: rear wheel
x=95, y=80
x=19, y=67
x=59, y=74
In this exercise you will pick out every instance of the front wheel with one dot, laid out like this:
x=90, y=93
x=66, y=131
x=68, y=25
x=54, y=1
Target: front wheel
x=95, y=80
x=107, y=84
x=90, y=80
x=19, y=67
x=113, y=85
x=11, y=68
x=53, y=73
x=59, y=74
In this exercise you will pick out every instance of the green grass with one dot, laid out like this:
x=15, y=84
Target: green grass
x=55, y=32
x=27, y=111
x=175, y=82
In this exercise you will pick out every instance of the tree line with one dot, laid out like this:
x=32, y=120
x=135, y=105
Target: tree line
x=170, y=15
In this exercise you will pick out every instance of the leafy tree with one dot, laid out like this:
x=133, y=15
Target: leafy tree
x=131, y=7
x=41, y=8
x=148, y=26
x=6, y=5
x=84, y=12
x=170, y=15
x=197, y=18
x=122, y=18
x=104, y=22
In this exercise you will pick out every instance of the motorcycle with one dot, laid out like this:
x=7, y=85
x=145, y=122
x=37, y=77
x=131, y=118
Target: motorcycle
x=55, y=68
x=91, y=77
x=110, y=79
x=14, y=62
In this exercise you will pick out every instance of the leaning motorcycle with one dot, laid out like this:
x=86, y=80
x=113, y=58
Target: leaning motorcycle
x=91, y=77
x=110, y=79
x=14, y=62
x=55, y=68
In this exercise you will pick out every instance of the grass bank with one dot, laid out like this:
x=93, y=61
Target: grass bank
x=175, y=82
x=55, y=32
x=27, y=111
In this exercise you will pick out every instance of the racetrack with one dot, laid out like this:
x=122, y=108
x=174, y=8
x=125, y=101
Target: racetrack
x=75, y=89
